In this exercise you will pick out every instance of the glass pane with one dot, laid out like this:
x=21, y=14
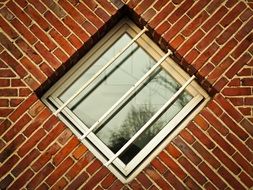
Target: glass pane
x=156, y=92
x=111, y=85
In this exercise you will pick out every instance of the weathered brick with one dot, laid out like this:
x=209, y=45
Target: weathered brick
x=230, y=178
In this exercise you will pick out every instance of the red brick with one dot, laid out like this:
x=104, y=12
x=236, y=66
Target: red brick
x=5, y=182
x=245, y=164
x=45, y=157
x=47, y=55
x=65, y=151
x=60, y=184
x=200, y=136
x=159, y=166
x=206, y=155
x=212, y=105
x=246, y=14
x=109, y=179
x=240, y=91
x=209, y=38
x=37, y=18
x=19, y=13
x=41, y=35
x=77, y=167
x=6, y=167
x=109, y=7
x=33, y=69
x=228, y=33
x=224, y=51
x=81, y=149
x=37, y=122
x=233, y=167
x=215, y=18
x=234, y=127
x=214, y=178
x=230, y=179
x=10, y=46
x=50, y=123
x=191, y=42
x=25, y=162
x=246, y=179
x=76, y=29
x=173, y=151
x=13, y=64
x=172, y=32
x=93, y=18
x=202, y=59
x=180, y=11
x=187, y=137
x=221, y=141
x=50, y=137
x=61, y=55
x=8, y=29
x=214, y=5
x=248, y=126
x=57, y=24
x=199, y=6
x=94, y=166
x=160, y=4
x=59, y=171
x=92, y=182
x=39, y=177
x=10, y=134
x=232, y=14
x=148, y=15
x=4, y=126
x=135, y=184
x=11, y=148
x=191, y=184
x=72, y=11
x=143, y=6
x=175, y=183
x=157, y=178
x=240, y=147
x=6, y=73
x=187, y=151
x=64, y=44
x=243, y=46
x=192, y=171
x=56, y=9
x=245, y=30
x=90, y=28
x=31, y=142
x=78, y=182
x=22, y=180
x=65, y=136
x=144, y=180
x=25, y=32
x=177, y=42
x=172, y=165
x=228, y=108
x=161, y=15
x=195, y=23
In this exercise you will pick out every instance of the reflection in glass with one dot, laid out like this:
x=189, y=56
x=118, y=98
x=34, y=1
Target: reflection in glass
x=113, y=83
x=156, y=92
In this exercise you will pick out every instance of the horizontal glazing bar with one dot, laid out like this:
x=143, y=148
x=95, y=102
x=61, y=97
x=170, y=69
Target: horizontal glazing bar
x=126, y=95
x=151, y=120
x=99, y=72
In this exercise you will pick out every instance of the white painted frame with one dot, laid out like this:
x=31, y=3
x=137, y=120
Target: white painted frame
x=126, y=172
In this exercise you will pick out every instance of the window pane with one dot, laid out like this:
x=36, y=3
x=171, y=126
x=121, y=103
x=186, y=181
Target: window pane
x=95, y=100
x=156, y=92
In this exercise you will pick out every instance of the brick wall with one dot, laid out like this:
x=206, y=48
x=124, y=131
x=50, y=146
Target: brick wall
x=40, y=40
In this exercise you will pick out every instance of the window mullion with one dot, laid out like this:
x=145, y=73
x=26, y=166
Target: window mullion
x=100, y=71
x=127, y=94
x=151, y=120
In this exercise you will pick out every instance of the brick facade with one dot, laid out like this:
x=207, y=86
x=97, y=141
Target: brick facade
x=41, y=40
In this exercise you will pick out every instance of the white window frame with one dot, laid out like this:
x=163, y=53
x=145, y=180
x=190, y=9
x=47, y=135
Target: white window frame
x=126, y=172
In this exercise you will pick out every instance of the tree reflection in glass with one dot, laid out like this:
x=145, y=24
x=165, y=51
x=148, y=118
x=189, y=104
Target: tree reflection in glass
x=138, y=110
